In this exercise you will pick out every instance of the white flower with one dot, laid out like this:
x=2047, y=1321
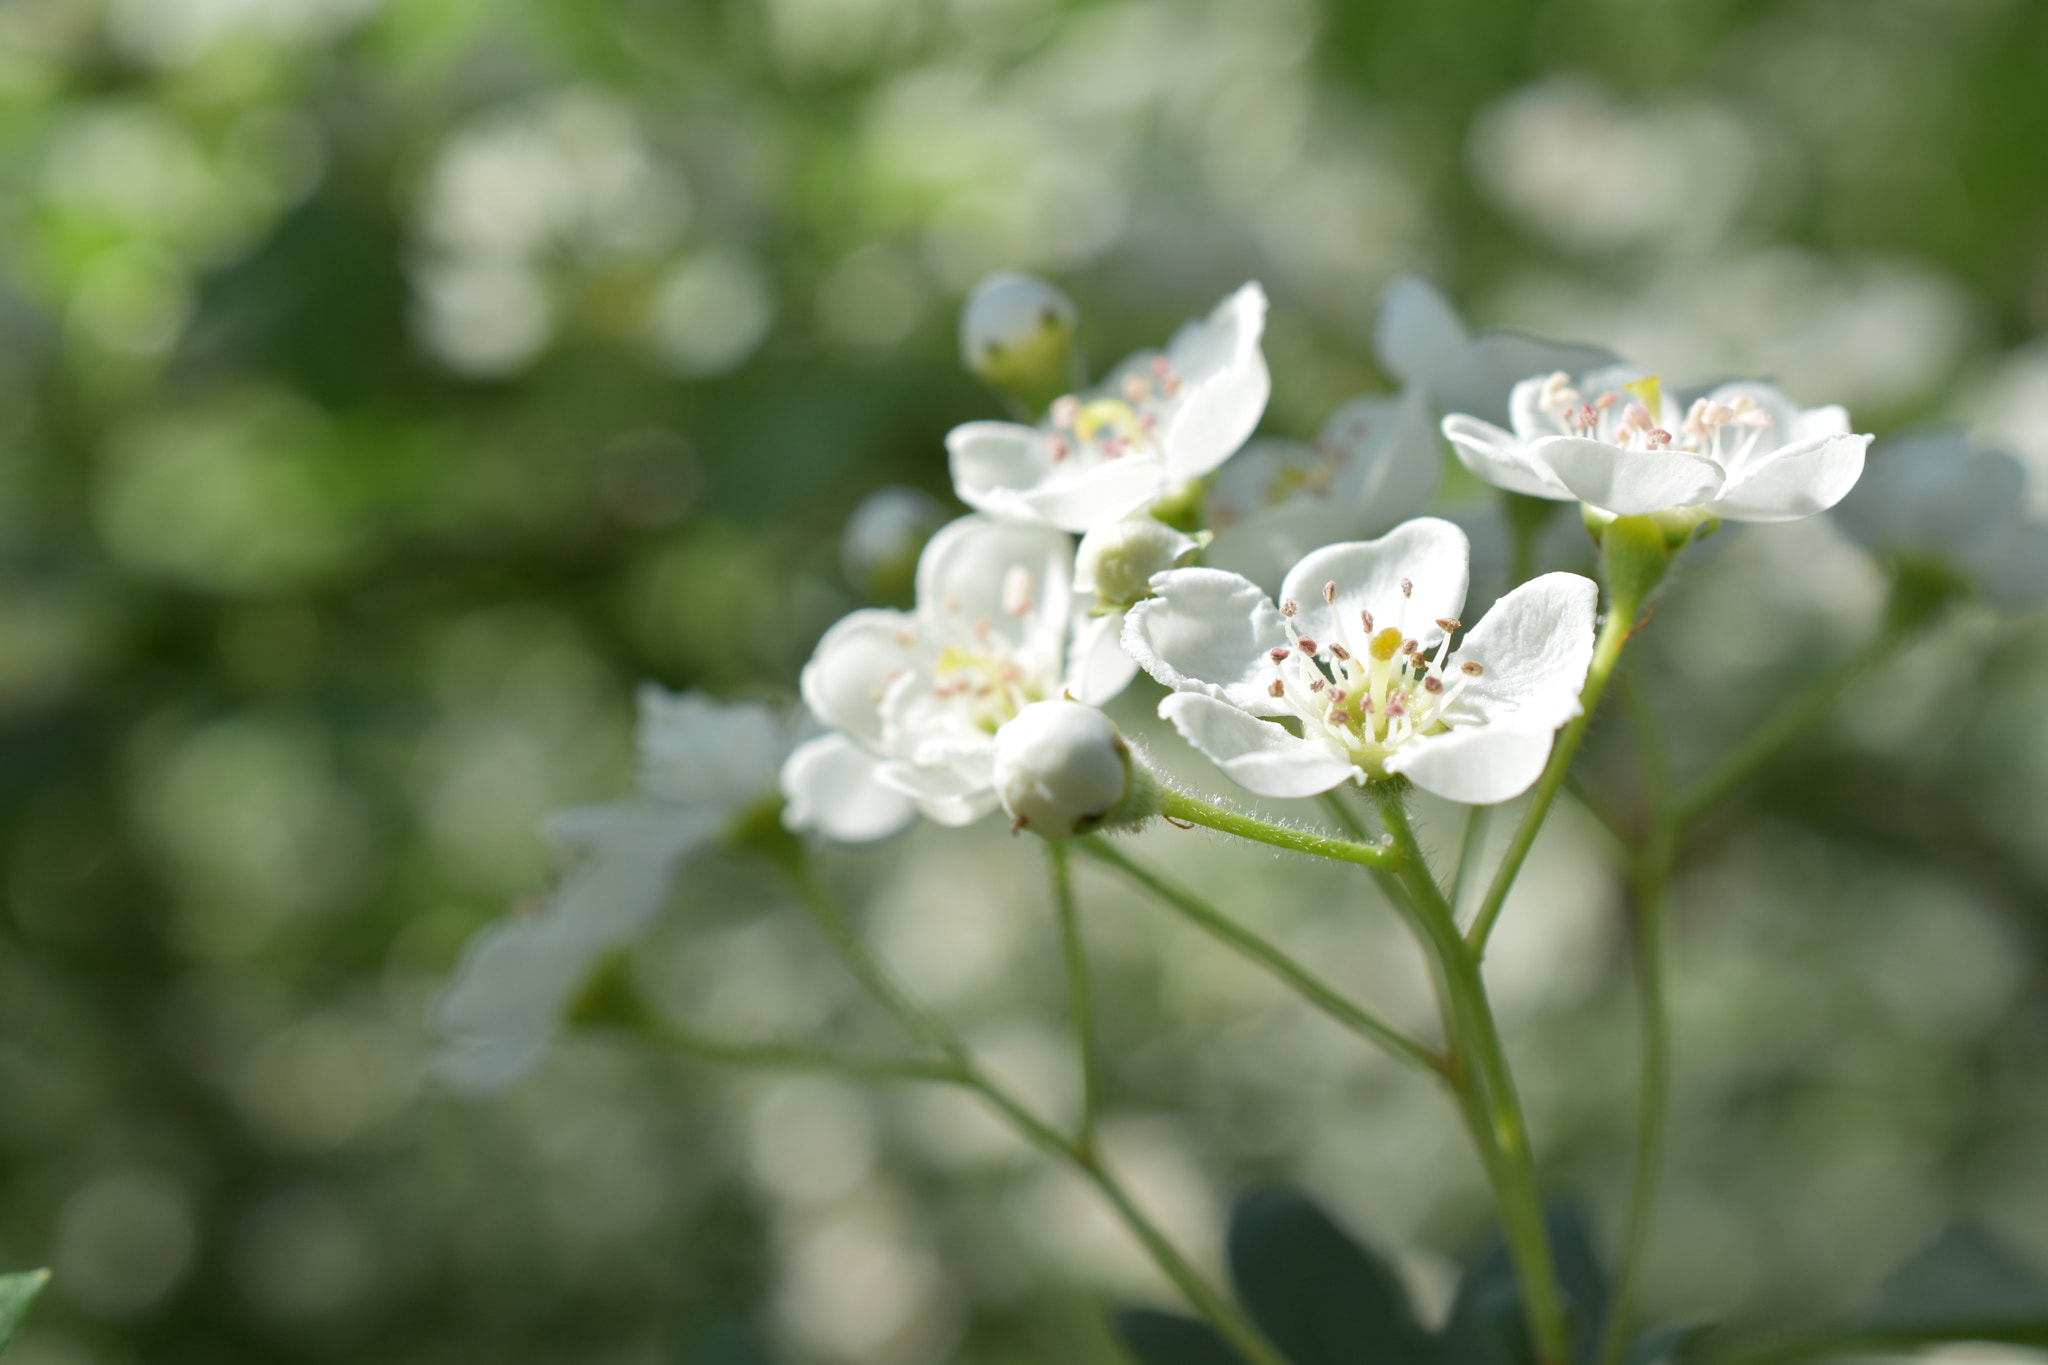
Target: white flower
x=878, y=549
x=1373, y=465
x=1359, y=655
x=1158, y=421
x=1616, y=442
x=1421, y=341
x=925, y=691
x=702, y=764
x=1060, y=767
x=1932, y=496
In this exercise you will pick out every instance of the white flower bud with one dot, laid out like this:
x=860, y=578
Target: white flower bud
x=1061, y=768
x=1017, y=332
x=879, y=548
x=1117, y=559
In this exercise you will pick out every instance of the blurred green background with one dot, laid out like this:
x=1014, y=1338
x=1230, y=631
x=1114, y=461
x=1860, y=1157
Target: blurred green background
x=387, y=387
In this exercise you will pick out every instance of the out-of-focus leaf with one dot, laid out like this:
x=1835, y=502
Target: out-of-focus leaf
x=1962, y=1276
x=720, y=1336
x=1156, y=1338
x=1662, y=1346
x=1486, y=1325
x=1962, y=1287
x=17, y=1295
x=1321, y=1297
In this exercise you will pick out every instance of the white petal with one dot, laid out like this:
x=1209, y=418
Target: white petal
x=1265, y=545
x=1419, y=338
x=1832, y=420
x=853, y=664
x=1256, y=754
x=503, y=1003
x=1500, y=458
x=1392, y=460
x=1796, y=482
x=1479, y=766
x=1228, y=384
x=944, y=795
x=830, y=786
x=628, y=852
x=1932, y=491
x=697, y=749
x=1534, y=648
x=957, y=811
x=1431, y=554
x=1628, y=482
x=1097, y=667
x=1006, y=470
x=965, y=577
x=1207, y=631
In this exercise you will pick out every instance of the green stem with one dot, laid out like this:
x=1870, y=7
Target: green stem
x=1080, y=1005
x=1306, y=984
x=801, y=1057
x=1788, y=725
x=1653, y=1100
x=1193, y=810
x=1521, y=1204
x=838, y=929
x=1470, y=849
x=1606, y=653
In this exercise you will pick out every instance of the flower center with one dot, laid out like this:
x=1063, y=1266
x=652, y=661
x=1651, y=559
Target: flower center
x=1108, y=428
x=1372, y=692
x=1725, y=433
x=980, y=675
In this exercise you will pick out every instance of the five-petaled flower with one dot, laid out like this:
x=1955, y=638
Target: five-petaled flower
x=1616, y=442
x=1160, y=421
x=996, y=628
x=703, y=763
x=1358, y=655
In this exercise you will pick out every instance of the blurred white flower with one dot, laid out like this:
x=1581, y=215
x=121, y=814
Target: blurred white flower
x=1117, y=559
x=702, y=763
x=1060, y=767
x=1374, y=464
x=1420, y=340
x=2011, y=409
x=1934, y=497
x=1017, y=332
x=1597, y=174
x=878, y=549
x=926, y=690
x=1359, y=655
x=1616, y=442
x=1158, y=422
x=711, y=312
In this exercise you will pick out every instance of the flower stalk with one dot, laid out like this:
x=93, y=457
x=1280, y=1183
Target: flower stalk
x=1189, y=809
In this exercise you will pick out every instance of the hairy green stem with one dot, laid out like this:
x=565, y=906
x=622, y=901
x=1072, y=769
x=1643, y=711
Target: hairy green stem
x=1189, y=809
x=1514, y=1171
x=1306, y=984
x=1606, y=653
x=1080, y=1004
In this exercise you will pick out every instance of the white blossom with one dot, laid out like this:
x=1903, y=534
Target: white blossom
x=702, y=764
x=1936, y=498
x=1421, y=340
x=1616, y=442
x=1017, y=332
x=1116, y=560
x=1373, y=465
x=1060, y=767
x=1359, y=655
x=995, y=629
x=1161, y=420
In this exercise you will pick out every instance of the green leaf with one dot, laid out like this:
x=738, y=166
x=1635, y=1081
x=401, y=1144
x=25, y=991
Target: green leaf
x=1486, y=1325
x=720, y=1336
x=1156, y=1338
x=1962, y=1276
x=17, y=1294
x=1318, y=1295
x=1963, y=1287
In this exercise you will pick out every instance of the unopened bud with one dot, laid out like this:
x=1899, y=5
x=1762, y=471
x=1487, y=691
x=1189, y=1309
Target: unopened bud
x=878, y=550
x=1017, y=332
x=1061, y=768
x=1117, y=559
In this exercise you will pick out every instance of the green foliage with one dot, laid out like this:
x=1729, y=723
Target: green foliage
x=18, y=1293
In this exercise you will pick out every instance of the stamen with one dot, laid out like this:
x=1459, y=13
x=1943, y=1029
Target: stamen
x=1276, y=688
x=1065, y=410
x=1330, y=592
x=1306, y=646
x=1290, y=607
x=1471, y=668
x=1018, y=591
x=1338, y=651
x=1449, y=623
x=1433, y=683
x=1277, y=654
x=1317, y=685
x=1136, y=388
x=1059, y=449
x=1365, y=619
x=1407, y=588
